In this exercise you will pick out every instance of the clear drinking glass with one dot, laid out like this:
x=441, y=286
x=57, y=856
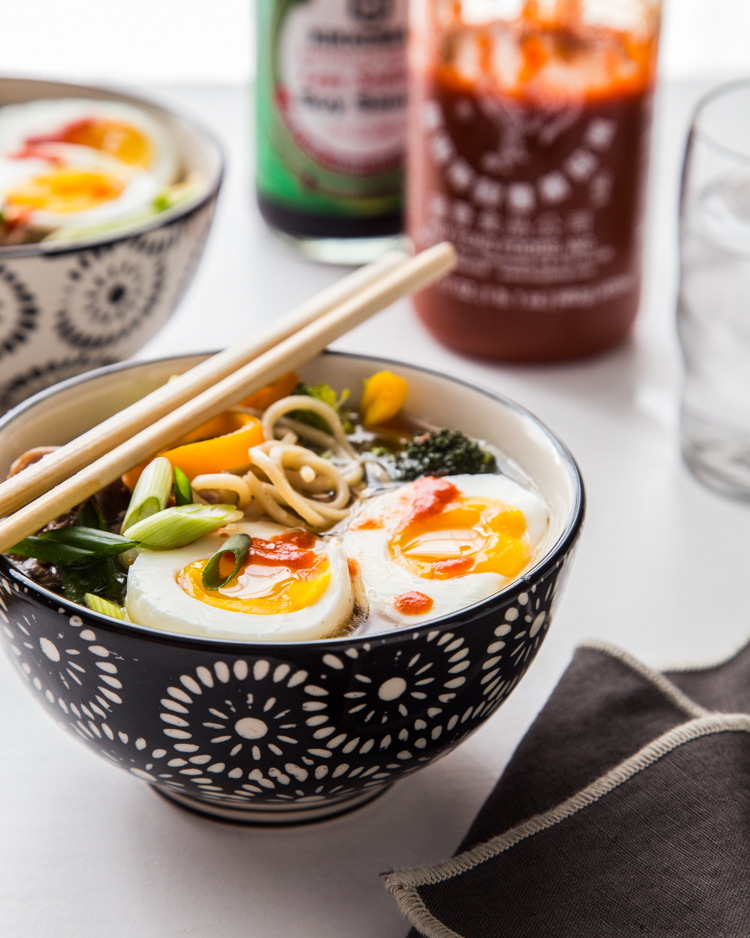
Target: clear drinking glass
x=714, y=302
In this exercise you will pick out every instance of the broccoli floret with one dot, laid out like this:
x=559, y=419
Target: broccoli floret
x=443, y=453
x=325, y=393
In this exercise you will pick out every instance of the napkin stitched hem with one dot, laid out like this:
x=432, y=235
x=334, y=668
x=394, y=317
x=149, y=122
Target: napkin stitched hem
x=708, y=663
x=663, y=684
x=403, y=885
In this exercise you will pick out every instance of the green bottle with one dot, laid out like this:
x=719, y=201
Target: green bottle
x=331, y=121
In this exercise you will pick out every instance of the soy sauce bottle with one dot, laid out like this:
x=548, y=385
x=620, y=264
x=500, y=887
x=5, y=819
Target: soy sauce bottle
x=330, y=119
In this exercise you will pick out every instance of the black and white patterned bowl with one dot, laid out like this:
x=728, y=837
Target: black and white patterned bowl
x=285, y=732
x=65, y=309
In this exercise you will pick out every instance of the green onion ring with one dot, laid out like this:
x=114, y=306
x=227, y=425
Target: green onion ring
x=239, y=545
x=183, y=493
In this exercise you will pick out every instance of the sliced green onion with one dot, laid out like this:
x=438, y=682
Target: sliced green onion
x=104, y=606
x=86, y=232
x=239, y=546
x=178, y=526
x=174, y=194
x=183, y=492
x=95, y=542
x=91, y=516
x=48, y=551
x=151, y=492
x=127, y=558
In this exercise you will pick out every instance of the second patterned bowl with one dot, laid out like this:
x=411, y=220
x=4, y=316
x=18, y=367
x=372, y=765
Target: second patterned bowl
x=68, y=308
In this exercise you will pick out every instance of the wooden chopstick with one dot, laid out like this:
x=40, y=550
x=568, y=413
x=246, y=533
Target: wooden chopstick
x=41, y=476
x=402, y=279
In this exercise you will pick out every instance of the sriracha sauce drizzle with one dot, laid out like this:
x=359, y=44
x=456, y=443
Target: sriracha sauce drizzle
x=413, y=603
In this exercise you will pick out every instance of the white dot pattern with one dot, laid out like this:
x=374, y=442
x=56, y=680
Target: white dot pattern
x=244, y=730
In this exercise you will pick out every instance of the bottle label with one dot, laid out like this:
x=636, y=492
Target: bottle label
x=543, y=204
x=342, y=91
x=332, y=103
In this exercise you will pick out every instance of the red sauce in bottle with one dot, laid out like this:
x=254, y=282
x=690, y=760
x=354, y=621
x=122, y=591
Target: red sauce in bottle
x=528, y=149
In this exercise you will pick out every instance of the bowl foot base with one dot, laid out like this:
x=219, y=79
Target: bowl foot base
x=273, y=816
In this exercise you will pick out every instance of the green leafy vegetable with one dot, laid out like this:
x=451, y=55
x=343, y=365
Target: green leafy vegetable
x=98, y=543
x=91, y=516
x=442, y=453
x=238, y=546
x=151, y=492
x=104, y=606
x=183, y=492
x=74, y=544
x=84, y=557
x=178, y=526
x=323, y=392
x=101, y=576
x=48, y=551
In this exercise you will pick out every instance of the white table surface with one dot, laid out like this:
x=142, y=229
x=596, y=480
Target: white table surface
x=87, y=851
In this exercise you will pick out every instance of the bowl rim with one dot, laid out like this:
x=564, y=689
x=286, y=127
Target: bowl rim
x=546, y=563
x=51, y=249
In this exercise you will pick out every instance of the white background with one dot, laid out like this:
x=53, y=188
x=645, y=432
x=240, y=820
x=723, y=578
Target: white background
x=87, y=851
x=197, y=41
x=661, y=571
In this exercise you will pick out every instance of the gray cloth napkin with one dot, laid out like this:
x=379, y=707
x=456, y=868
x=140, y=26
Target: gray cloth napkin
x=625, y=811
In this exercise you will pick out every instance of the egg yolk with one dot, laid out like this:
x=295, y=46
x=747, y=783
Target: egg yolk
x=280, y=575
x=122, y=140
x=446, y=535
x=66, y=191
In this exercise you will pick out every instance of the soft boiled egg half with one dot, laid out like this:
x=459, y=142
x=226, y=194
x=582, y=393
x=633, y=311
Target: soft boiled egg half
x=46, y=127
x=433, y=546
x=292, y=587
x=83, y=187
x=78, y=162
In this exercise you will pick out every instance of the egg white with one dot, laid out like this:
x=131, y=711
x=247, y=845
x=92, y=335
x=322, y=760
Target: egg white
x=14, y=172
x=382, y=579
x=155, y=599
x=140, y=188
x=43, y=117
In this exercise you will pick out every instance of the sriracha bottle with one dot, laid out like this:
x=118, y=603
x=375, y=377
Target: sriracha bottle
x=528, y=147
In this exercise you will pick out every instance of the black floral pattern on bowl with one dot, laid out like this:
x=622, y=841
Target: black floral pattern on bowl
x=18, y=311
x=283, y=732
x=108, y=294
x=101, y=303
x=239, y=726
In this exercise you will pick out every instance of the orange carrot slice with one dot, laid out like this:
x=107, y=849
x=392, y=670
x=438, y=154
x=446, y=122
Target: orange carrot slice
x=228, y=451
x=281, y=387
x=227, y=423
x=217, y=454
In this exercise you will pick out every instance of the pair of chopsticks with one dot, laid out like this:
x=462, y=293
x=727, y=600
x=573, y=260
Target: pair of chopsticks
x=77, y=470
